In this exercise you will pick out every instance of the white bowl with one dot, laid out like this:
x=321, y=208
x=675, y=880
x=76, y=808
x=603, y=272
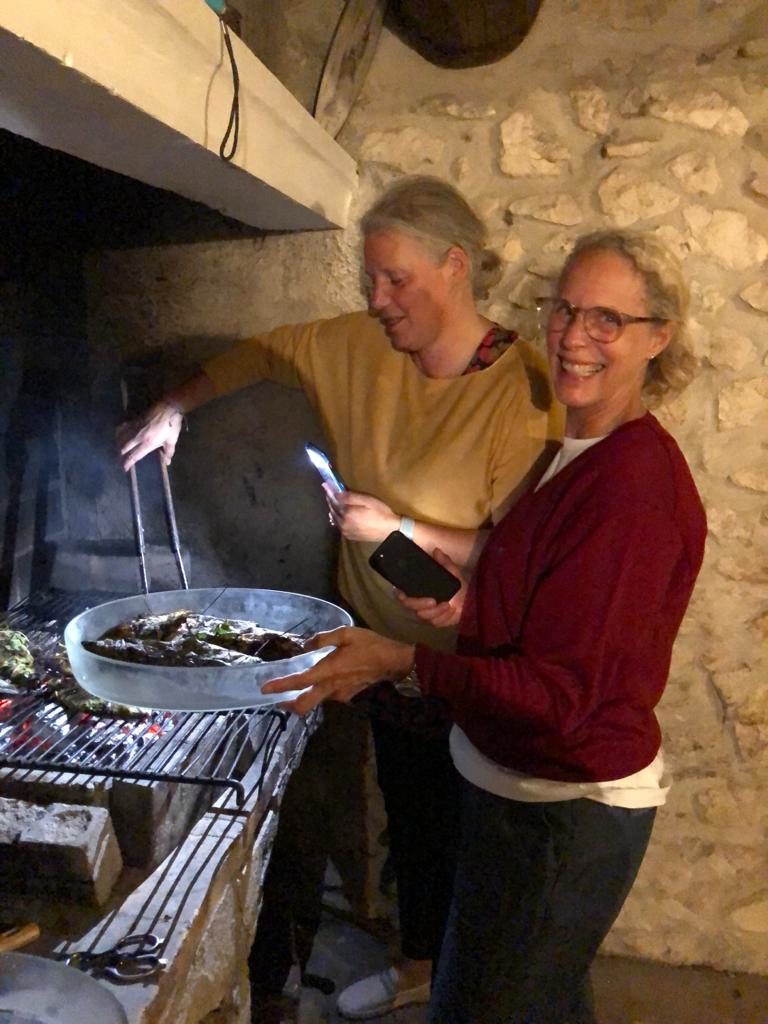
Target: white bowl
x=208, y=688
x=45, y=992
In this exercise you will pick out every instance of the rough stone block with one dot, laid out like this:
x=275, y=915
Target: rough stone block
x=699, y=107
x=731, y=350
x=743, y=404
x=627, y=198
x=410, y=149
x=726, y=236
x=449, y=105
x=591, y=108
x=756, y=295
x=527, y=152
x=62, y=849
x=552, y=209
x=696, y=171
x=628, y=148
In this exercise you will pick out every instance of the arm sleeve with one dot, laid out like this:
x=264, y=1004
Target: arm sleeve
x=531, y=437
x=280, y=356
x=593, y=616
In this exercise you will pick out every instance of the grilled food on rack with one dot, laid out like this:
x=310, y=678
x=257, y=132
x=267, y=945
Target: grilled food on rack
x=65, y=691
x=184, y=638
x=17, y=664
x=20, y=666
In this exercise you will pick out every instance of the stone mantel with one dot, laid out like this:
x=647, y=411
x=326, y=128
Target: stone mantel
x=144, y=88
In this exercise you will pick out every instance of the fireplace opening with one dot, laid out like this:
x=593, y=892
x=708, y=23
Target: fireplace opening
x=137, y=785
x=60, y=395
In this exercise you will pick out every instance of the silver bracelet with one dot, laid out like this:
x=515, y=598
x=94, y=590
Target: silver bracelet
x=409, y=685
x=406, y=526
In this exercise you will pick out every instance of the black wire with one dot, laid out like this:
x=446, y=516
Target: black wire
x=233, y=127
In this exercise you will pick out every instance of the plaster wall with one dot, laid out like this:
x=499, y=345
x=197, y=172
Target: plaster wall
x=651, y=115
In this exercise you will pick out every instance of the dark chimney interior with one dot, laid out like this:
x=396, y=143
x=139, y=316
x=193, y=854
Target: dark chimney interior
x=60, y=395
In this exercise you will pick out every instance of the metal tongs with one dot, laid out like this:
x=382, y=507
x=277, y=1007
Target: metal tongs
x=138, y=522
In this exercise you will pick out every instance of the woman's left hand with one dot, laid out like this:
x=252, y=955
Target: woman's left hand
x=360, y=516
x=360, y=659
x=438, y=613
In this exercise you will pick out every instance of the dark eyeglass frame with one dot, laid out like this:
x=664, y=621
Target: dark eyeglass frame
x=545, y=306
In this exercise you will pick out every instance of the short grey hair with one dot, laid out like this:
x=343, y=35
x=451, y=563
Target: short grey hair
x=437, y=215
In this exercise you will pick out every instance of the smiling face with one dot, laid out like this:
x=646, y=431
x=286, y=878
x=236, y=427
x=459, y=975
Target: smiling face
x=411, y=293
x=601, y=384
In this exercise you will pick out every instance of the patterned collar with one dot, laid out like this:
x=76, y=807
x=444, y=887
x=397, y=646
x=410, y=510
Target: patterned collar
x=495, y=343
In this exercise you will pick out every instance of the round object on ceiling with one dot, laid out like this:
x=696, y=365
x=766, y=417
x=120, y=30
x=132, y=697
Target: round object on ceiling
x=348, y=60
x=462, y=33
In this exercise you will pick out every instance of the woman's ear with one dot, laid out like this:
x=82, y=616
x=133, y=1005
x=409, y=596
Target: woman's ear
x=661, y=337
x=457, y=262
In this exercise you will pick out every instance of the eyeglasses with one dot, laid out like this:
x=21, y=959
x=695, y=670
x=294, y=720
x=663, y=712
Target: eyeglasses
x=601, y=323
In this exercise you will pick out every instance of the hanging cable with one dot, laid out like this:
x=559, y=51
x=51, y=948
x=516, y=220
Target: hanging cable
x=233, y=127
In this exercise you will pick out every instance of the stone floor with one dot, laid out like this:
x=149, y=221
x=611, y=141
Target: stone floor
x=626, y=991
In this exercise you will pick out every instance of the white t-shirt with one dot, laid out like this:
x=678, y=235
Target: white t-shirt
x=646, y=788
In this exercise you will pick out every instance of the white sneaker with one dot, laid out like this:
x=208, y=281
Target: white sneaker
x=379, y=994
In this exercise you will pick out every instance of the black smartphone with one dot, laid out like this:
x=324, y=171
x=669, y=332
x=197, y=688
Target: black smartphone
x=409, y=568
x=322, y=464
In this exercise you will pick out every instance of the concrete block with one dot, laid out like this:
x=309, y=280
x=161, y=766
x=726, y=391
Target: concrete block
x=66, y=851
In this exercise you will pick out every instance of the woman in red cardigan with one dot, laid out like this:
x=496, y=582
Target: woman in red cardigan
x=565, y=639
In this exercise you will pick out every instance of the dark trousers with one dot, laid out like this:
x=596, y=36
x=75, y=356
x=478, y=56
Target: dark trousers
x=293, y=886
x=421, y=795
x=537, y=889
x=321, y=816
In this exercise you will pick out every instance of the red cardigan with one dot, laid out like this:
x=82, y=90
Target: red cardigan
x=566, y=637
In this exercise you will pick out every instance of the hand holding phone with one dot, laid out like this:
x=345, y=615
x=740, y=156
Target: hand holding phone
x=440, y=614
x=409, y=568
x=322, y=464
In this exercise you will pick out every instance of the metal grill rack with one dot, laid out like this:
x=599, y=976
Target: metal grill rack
x=202, y=748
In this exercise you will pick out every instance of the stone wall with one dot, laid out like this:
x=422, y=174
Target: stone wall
x=651, y=114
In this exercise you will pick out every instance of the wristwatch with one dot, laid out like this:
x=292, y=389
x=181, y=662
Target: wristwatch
x=407, y=526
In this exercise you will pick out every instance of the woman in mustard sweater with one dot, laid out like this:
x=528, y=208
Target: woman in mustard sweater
x=436, y=419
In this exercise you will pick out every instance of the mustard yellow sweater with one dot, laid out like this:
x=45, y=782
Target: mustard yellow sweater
x=452, y=452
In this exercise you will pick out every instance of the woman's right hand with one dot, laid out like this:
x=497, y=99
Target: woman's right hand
x=440, y=614
x=159, y=428
x=360, y=516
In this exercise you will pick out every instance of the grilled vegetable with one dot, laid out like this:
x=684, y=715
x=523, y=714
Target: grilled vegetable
x=16, y=662
x=186, y=639
x=68, y=694
x=52, y=671
x=73, y=698
x=149, y=627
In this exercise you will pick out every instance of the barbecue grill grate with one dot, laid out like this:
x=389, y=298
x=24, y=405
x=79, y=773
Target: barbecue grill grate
x=201, y=748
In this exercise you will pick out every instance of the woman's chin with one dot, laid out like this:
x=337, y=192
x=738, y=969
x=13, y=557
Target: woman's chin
x=398, y=339
x=575, y=391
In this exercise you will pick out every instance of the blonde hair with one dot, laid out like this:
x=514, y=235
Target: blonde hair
x=438, y=216
x=667, y=296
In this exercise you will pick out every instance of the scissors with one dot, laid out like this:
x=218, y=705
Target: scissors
x=133, y=958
